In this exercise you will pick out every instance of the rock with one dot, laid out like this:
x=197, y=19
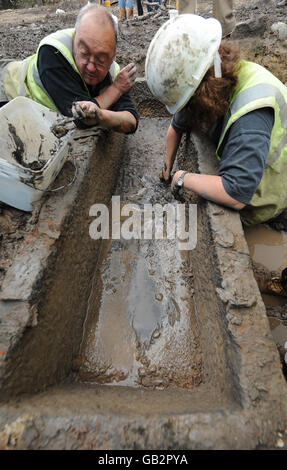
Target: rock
x=224, y=237
x=253, y=27
x=281, y=29
x=142, y=372
x=234, y=319
x=159, y=297
x=280, y=443
x=156, y=334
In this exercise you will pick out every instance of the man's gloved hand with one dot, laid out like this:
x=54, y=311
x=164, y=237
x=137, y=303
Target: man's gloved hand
x=126, y=78
x=87, y=110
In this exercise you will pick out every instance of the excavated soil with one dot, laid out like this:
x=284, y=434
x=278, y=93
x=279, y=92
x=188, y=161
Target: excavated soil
x=22, y=29
x=141, y=328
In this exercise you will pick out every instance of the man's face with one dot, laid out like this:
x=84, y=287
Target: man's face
x=94, y=50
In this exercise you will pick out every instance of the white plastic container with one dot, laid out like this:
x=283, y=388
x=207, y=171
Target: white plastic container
x=26, y=142
x=173, y=13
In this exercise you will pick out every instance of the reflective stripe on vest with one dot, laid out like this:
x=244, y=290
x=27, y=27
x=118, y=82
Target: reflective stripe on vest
x=257, y=92
x=30, y=82
x=22, y=77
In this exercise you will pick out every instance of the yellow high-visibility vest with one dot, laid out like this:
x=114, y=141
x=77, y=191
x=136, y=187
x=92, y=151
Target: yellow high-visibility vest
x=21, y=78
x=258, y=88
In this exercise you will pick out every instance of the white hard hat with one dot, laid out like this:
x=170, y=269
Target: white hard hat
x=178, y=57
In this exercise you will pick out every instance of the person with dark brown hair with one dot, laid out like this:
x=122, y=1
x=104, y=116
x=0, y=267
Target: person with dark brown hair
x=238, y=104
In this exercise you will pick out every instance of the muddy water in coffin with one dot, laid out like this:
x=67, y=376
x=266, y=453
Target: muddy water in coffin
x=140, y=328
x=269, y=248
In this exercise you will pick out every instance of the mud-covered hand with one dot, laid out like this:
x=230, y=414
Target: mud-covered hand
x=87, y=110
x=126, y=78
x=165, y=175
x=177, y=191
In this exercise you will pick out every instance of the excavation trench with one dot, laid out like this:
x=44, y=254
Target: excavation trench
x=140, y=343
x=141, y=328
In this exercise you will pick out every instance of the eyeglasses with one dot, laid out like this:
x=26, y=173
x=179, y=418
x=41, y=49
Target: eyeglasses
x=86, y=59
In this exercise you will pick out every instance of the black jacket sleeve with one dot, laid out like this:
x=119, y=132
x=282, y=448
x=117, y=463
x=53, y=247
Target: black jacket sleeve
x=62, y=83
x=65, y=86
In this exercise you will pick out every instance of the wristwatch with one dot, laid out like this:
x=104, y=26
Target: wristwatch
x=180, y=179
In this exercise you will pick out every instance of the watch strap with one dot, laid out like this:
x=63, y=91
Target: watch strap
x=181, y=178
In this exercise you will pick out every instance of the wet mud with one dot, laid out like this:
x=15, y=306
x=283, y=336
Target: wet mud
x=21, y=31
x=141, y=329
x=19, y=150
x=268, y=250
x=19, y=153
x=14, y=226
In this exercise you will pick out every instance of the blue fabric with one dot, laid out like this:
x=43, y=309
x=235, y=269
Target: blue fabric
x=153, y=8
x=126, y=3
x=244, y=150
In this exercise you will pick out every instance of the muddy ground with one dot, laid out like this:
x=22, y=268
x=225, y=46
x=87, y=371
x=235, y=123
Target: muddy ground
x=22, y=29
